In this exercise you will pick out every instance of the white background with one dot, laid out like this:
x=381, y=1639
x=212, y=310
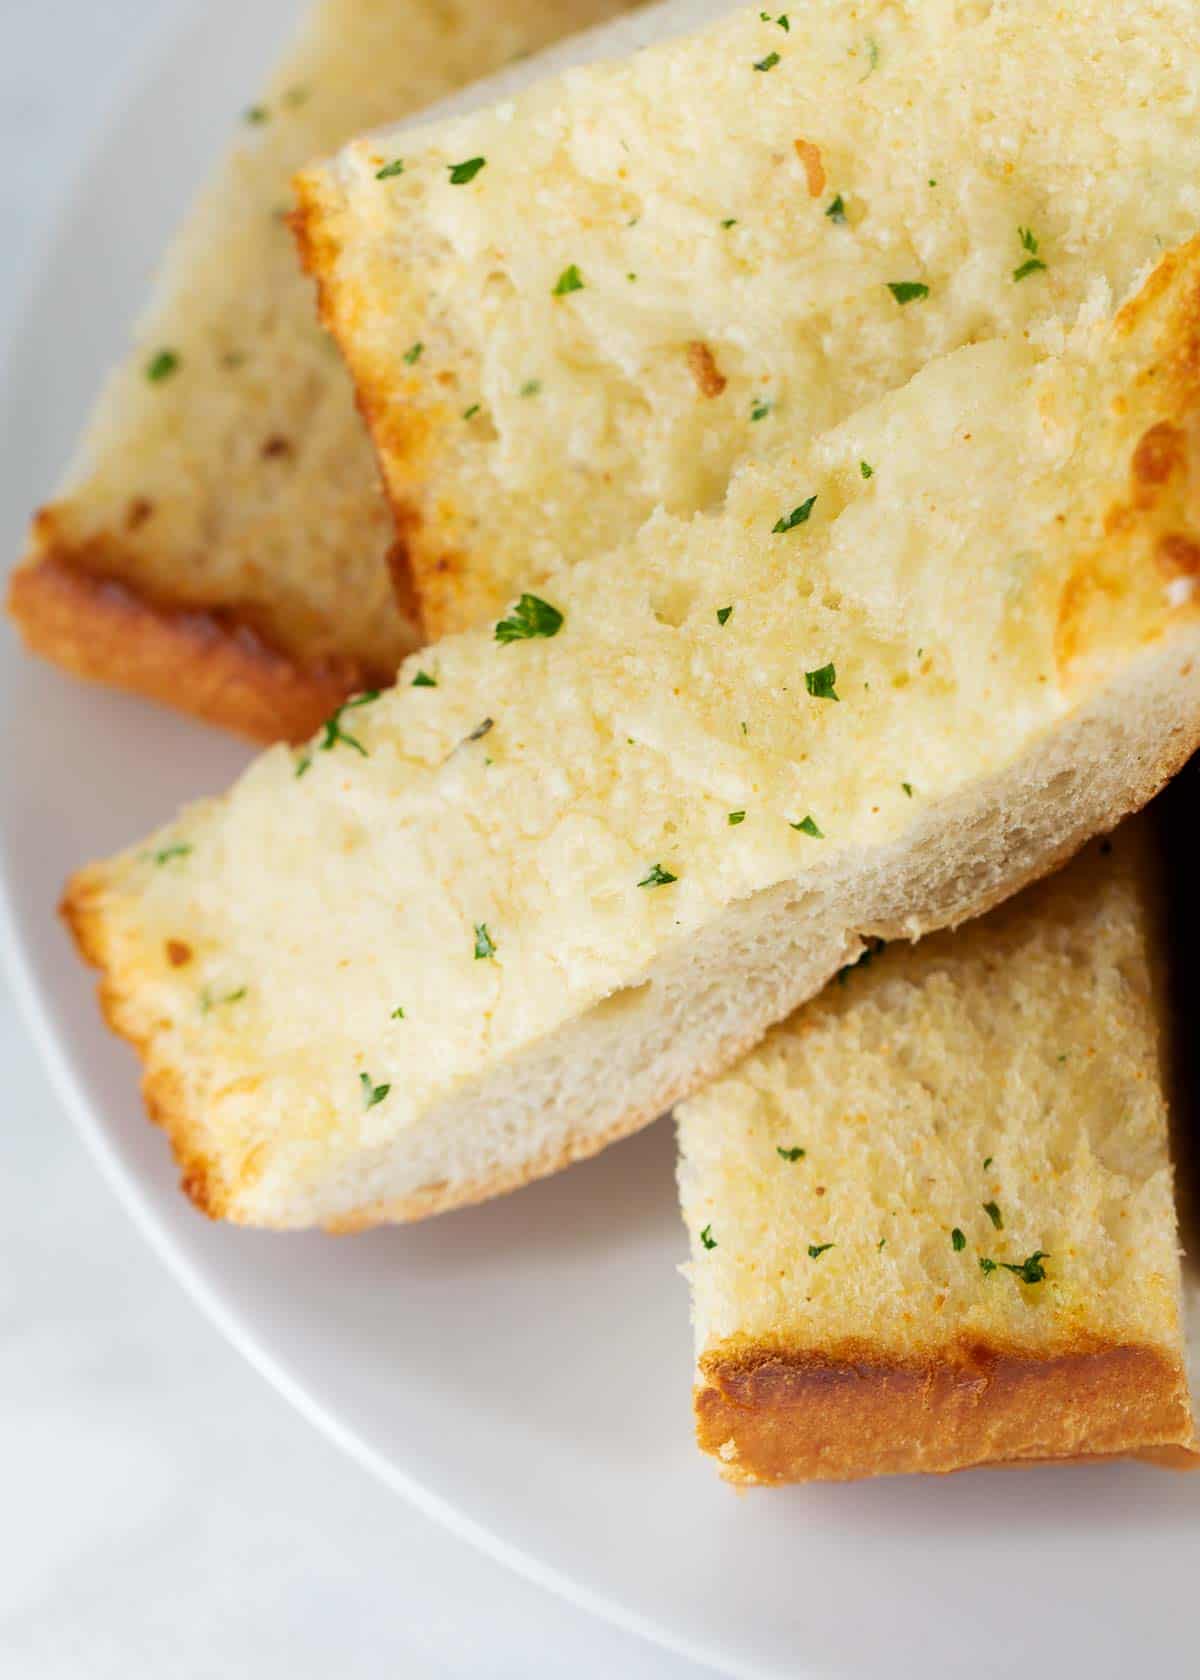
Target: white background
x=162, y=1512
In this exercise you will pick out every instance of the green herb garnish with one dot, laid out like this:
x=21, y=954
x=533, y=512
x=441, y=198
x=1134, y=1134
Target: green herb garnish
x=462, y=173
x=986, y=1265
x=872, y=56
x=866, y=469
x=372, y=1094
x=759, y=409
x=1031, y=1269
x=484, y=943
x=798, y=516
x=396, y=167
x=169, y=852
x=987, y=1161
x=1033, y=262
x=531, y=617
x=908, y=291
x=424, y=680
x=333, y=726
x=207, y=1001
x=530, y=388
x=707, y=1238
x=658, y=877
x=907, y=786
x=993, y=1213
x=256, y=114
x=736, y=817
x=794, y=1154
x=398, y=1014
x=570, y=280
x=808, y=825
x=413, y=353
x=836, y=209
x=819, y=683
x=470, y=413
x=958, y=1241
x=723, y=614
x=768, y=63
x=730, y=221
x=162, y=365
x=815, y=1250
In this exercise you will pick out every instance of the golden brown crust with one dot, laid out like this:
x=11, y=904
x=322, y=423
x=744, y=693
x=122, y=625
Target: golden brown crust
x=445, y=590
x=773, y=1415
x=208, y=662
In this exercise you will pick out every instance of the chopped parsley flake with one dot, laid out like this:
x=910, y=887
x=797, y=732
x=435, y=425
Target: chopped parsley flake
x=396, y=167
x=808, y=825
x=866, y=469
x=707, y=1238
x=958, y=1241
x=723, y=614
x=470, y=413
x=993, y=1213
x=530, y=388
x=413, y=353
x=798, y=516
x=303, y=765
x=736, y=817
x=424, y=680
x=531, y=617
x=1031, y=1269
x=819, y=683
x=658, y=877
x=872, y=56
x=484, y=944
x=462, y=173
x=162, y=365
x=570, y=280
x=730, y=221
x=879, y=1245
x=1032, y=262
x=987, y=1161
x=908, y=291
x=760, y=409
x=257, y=114
x=836, y=210
x=207, y=1001
x=986, y=1265
x=768, y=63
x=296, y=96
x=815, y=1250
x=169, y=852
x=334, y=731
x=907, y=786
x=398, y=1014
x=793, y=1154
x=372, y=1094
x=782, y=20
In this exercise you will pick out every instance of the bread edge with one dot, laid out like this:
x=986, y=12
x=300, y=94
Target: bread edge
x=774, y=1415
x=208, y=662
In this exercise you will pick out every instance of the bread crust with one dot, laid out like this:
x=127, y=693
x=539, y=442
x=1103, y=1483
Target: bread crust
x=776, y=1414
x=210, y=662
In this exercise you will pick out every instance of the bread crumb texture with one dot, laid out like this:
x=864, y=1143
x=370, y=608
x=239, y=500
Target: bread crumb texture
x=959, y=1106
x=763, y=229
x=930, y=687
x=222, y=541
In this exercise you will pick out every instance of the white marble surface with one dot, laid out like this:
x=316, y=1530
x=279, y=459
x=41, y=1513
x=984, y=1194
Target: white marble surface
x=162, y=1512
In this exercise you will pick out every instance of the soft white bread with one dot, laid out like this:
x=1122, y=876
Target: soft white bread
x=520, y=904
x=661, y=266
x=865, y=1192
x=221, y=543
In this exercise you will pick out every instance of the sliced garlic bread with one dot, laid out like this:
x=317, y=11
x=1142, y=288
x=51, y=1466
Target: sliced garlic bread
x=931, y=1216
x=597, y=297
x=577, y=862
x=221, y=543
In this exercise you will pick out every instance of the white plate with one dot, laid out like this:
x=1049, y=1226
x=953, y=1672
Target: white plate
x=522, y=1370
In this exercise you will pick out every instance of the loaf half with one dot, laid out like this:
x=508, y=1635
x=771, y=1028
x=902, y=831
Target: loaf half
x=577, y=862
x=931, y=1216
x=597, y=296
x=222, y=543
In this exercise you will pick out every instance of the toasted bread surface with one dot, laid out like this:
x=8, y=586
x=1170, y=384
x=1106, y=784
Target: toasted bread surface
x=856, y=1189
x=222, y=541
x=576, y=863
x=664, y=265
